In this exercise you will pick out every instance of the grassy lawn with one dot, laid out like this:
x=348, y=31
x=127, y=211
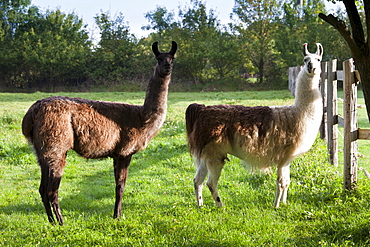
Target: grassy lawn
x=159, y=206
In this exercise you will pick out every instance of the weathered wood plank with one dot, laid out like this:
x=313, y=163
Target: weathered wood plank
x=364, y=134
x=350, y=126
x=293, y=73
x=332, y=112
x=323, y=83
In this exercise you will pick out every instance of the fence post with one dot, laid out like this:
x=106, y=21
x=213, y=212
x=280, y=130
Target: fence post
x=293, y=74
x=332, y=113
x=350, y=125
x=323, y=82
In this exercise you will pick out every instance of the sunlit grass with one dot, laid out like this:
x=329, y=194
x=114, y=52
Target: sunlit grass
x=159, y=207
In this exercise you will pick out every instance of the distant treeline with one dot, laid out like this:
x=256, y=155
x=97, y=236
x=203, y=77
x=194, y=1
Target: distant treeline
x=46, y=50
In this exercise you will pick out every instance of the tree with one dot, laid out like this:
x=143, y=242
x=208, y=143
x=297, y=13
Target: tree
x=224, y=54
x=290, y=34
x=12, y=15
x=160, y=20
x=357, y=38
x=193, y=31
x=257, y=27
x=300, y=24
x=115, y=57
x=197, y=28
x=56, y=48
x=39, y=49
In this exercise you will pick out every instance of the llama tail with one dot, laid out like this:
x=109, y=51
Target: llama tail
x=27, y=125
x=191, y=114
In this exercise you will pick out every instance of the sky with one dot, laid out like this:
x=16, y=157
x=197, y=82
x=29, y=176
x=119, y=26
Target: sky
x=132, y=10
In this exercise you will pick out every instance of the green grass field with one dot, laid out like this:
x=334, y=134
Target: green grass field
x=159, y=206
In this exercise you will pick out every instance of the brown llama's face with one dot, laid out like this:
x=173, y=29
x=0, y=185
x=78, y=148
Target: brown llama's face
x=165, y=63
x=165, y=60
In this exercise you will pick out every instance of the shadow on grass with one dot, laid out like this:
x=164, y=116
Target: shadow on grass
x=23, y=207
x=344, y=235
x=88, y=199
x=94, y=193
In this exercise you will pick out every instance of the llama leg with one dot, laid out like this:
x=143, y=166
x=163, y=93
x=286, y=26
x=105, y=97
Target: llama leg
x=282, y=184
x=53, y=197
x=43, y=192
x=50, y=181
x=214, y=167
x=121, y=165
x=199, y=179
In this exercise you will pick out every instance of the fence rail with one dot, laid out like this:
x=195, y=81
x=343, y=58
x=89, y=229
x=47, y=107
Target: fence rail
x=331, y=119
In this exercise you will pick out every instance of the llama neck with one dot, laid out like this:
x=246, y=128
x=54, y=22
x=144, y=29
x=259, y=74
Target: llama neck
x=308, y=108
x=307, y=95
x=155, y=104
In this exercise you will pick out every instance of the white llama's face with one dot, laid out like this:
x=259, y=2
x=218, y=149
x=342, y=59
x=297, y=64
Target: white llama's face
x=312, y=64
x=312, y=61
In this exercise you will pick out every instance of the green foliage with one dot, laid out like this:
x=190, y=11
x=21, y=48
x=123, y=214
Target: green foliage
x=52, y=51
x=196, y=29
x=117, y=57
x=160, y=19
x=41, y=49
x=224, y=55
x=159, y=205
x=301, y=24
x=257, y=29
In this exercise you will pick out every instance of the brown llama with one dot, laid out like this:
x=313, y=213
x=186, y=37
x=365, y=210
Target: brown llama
x=260, y=136
x=95, y=129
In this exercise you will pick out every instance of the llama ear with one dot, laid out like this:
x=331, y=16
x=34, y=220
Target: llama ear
x=173, y=48
x=305, y=49
x=319, y=50
x=155, y=49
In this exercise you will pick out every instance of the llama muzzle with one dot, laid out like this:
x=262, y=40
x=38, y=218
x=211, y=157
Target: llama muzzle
x=310, y=68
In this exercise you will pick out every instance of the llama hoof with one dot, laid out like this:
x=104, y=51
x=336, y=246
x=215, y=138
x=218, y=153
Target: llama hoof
x=218, y=202
x=282, y=204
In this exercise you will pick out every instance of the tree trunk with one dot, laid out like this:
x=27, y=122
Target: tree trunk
x=355, y=38
x=363, y=66
x=261, y=71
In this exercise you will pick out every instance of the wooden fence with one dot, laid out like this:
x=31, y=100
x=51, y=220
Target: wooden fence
x=331, y=118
